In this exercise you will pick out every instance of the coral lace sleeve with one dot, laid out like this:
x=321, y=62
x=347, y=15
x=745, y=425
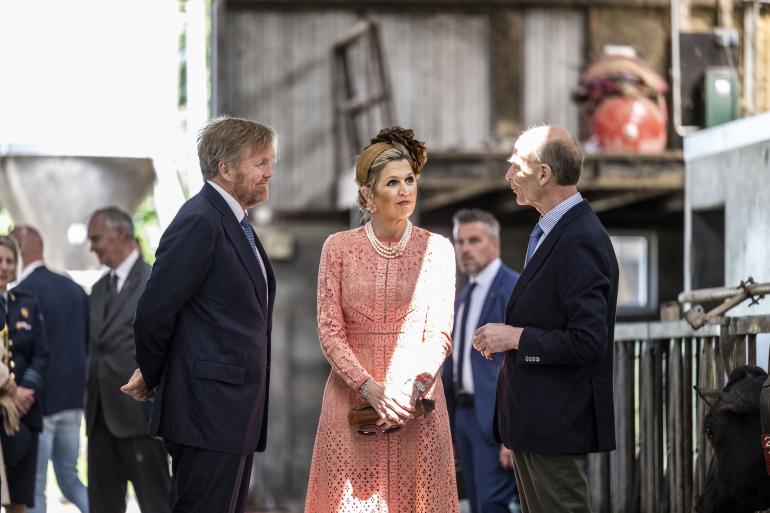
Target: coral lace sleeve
x=331, y=322
x=437, y=336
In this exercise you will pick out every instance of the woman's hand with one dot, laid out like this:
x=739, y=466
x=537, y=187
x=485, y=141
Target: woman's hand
x=23, y=400
x=393, y=409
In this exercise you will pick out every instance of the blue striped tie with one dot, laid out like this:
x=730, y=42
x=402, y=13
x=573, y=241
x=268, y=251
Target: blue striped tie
x=249, y=231
x=537, y=232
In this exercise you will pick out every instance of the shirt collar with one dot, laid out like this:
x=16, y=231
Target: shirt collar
x=126, y=265
x=30, y=268
x=238, y=212
x=485, y=277
x=548, y=220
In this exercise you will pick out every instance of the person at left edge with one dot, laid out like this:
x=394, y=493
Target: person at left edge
x=203, y=324
x=28, y=355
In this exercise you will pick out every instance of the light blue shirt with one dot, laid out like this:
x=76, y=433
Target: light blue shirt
x=549, y=220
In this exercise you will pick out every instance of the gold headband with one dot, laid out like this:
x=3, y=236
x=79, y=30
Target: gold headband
x=367, y=157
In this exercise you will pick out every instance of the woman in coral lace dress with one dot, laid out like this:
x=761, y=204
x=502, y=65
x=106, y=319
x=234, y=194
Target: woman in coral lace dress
x=385, y=295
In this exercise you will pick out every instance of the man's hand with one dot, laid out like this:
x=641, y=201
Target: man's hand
x=23, y=400
x=136, y=388
x=496, y=338
x=506, y=458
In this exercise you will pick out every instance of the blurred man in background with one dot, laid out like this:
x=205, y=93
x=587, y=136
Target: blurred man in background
x=64, y=306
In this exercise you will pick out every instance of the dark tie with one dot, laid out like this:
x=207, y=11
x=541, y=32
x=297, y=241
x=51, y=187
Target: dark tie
x=537, y=232
x=249, y=232
x=112, y=291
x=461, y=327
x=3, y=306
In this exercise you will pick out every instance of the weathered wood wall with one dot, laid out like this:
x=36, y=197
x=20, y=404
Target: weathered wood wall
x=275, y=66
x=554, y=55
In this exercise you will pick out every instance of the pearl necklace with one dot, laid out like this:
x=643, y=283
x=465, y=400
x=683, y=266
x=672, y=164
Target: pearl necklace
x=386, y=250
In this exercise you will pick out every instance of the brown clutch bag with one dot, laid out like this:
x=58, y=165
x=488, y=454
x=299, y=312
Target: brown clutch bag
x=363, y=415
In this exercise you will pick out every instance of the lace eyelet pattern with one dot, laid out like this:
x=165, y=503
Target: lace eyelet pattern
x=387, y=319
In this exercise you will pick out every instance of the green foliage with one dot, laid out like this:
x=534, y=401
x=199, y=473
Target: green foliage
x=6, y=223
x=145, y=225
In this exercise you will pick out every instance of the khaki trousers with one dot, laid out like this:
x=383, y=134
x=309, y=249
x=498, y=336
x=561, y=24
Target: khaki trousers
x=552, y=483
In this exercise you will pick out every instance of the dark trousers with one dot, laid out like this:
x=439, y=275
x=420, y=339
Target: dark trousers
x=489, y=487
x=549, y=483
x=207, y=481
x=112, y=462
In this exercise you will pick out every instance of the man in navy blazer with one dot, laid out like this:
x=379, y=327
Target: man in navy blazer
x=202, y=326
x=469, y=379
x=64, y=306
x=554, y=392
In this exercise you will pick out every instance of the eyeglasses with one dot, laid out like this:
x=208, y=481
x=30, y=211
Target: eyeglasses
x=374, y=429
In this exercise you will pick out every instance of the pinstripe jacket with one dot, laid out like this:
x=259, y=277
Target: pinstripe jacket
x=202, y=331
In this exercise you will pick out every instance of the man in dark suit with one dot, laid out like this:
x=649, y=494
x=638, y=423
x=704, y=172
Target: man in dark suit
x=119, y=449
x=64, y=305
x=203, y=324
x=469, y=379
x=554, y=392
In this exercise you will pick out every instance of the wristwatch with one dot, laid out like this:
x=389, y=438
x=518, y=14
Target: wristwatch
x=419, y=386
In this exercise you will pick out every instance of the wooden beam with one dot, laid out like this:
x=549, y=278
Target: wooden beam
x=456, y=195
x=625, y=199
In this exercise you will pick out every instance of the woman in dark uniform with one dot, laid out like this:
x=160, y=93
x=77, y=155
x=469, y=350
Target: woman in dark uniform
x=28, y=355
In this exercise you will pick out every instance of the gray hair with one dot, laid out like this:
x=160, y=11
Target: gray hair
x=563, y=156
x=115, y=218
x=472, y=215
x=224, y=139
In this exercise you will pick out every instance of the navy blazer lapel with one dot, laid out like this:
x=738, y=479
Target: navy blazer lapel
x=542, y=252
x=234, y=232
x=492, y=293
x=270, y=279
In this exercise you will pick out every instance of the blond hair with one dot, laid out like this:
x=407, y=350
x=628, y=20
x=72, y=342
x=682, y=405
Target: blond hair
x=224, y=139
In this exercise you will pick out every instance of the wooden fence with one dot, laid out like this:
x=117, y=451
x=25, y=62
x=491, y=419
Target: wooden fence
x=662, y=454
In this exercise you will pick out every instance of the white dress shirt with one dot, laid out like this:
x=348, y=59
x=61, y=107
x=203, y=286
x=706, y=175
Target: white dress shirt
x=124, y=268
x=483, y=281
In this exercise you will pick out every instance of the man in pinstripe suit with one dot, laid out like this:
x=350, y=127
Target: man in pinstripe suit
x=202, y=326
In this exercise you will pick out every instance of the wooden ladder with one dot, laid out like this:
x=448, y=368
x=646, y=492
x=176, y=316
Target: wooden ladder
x=355, y=110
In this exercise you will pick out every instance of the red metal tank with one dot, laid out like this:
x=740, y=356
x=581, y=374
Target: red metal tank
x=629, y=124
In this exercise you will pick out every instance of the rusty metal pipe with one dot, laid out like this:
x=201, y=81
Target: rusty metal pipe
x=720, y=293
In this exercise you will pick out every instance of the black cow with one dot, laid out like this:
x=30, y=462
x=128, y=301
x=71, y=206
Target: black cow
x=737, y=481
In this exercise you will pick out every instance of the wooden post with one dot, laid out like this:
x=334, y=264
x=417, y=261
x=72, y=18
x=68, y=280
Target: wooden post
x=675, y=428
x=623, y=461
x=687, y=396
x=725, y=15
